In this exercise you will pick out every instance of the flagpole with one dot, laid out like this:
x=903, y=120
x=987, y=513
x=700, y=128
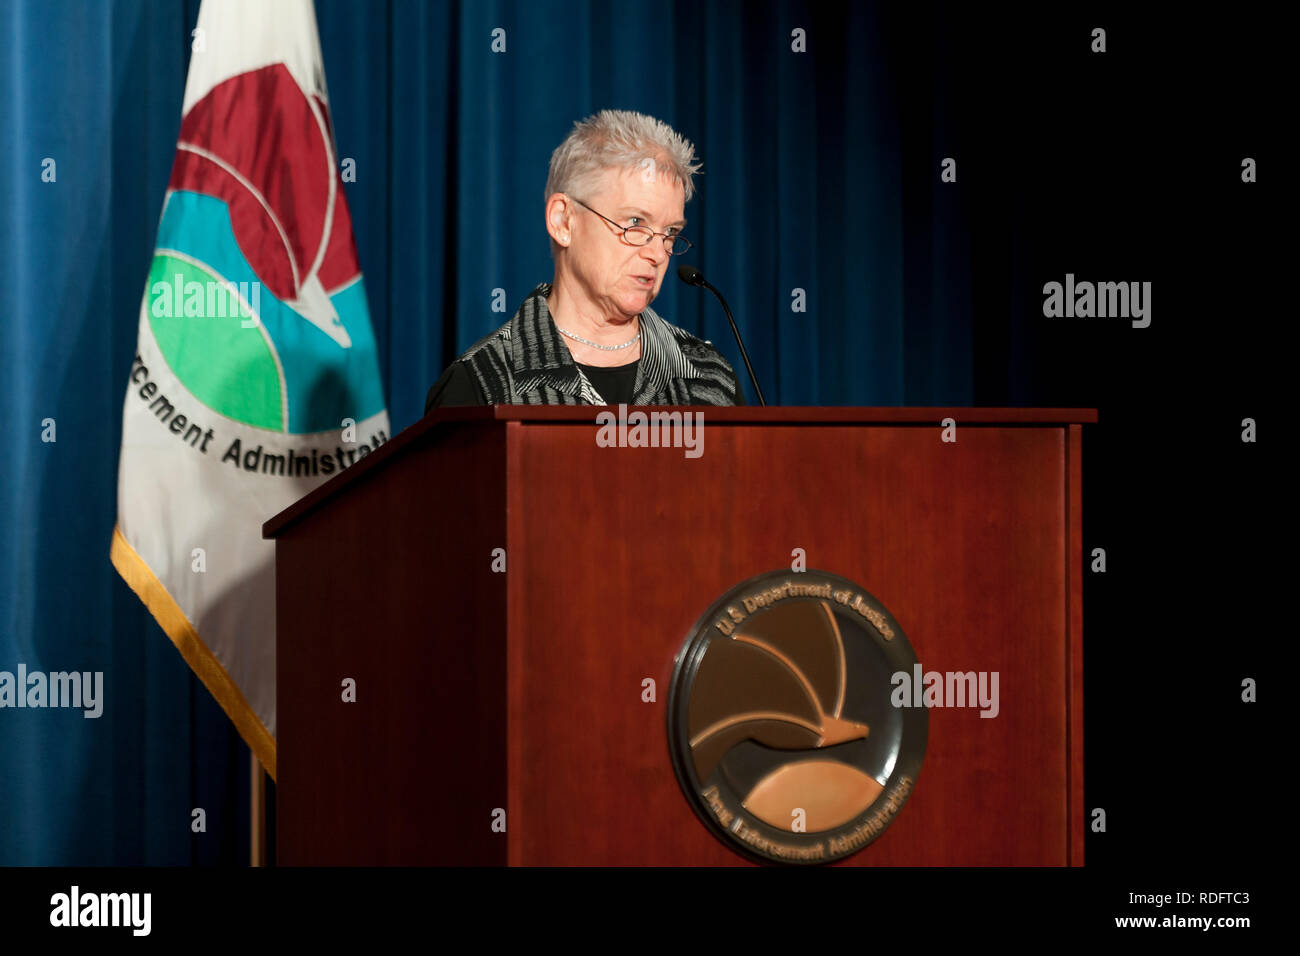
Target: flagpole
x=257, y=814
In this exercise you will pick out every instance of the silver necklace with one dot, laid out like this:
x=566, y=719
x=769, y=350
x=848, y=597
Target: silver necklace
x=604, y=348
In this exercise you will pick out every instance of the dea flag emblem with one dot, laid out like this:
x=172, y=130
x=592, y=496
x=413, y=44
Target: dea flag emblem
x=780, y=725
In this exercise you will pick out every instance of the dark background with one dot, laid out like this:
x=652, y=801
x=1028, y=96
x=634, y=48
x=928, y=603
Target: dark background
x=821, y=171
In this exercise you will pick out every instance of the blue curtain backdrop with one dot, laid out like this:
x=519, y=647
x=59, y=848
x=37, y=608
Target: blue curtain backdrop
x=820, y=174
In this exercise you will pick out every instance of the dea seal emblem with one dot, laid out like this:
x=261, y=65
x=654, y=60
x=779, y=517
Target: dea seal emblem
x=780, y=725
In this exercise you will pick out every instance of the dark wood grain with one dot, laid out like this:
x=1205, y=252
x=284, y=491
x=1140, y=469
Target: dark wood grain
x=392, y=586
x=523, y=690
x=427, y=429
x=964, y=543
x=1076, y=559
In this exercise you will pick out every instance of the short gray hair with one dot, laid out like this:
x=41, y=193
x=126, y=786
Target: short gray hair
x=619, y=139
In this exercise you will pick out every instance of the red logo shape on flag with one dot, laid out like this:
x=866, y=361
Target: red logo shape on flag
x=262, y=146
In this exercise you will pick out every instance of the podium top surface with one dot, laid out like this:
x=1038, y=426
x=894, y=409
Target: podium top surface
x=780, y=414
x=714, y=415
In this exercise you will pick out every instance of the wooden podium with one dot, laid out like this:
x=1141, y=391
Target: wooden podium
x=480, y=690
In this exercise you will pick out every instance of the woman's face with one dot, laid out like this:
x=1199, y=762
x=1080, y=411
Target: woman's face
x=621, y=278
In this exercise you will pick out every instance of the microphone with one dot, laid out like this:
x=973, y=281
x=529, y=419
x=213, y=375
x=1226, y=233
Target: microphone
x=692, y=276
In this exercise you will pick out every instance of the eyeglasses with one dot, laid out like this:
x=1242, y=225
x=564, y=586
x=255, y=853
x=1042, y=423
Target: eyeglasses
x=642, y=235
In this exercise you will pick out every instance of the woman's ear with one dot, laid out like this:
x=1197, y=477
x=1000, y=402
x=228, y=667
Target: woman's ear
x=556, y=214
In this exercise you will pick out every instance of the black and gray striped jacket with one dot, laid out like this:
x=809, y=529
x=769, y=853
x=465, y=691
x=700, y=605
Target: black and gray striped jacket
x=526, y=362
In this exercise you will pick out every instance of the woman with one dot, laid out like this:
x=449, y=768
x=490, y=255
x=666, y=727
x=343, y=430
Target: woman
x=615, y=196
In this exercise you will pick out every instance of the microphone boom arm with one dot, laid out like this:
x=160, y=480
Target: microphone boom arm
x=692, y=276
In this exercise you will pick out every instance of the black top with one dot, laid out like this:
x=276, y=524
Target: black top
x=458, y=387
x=615, y=384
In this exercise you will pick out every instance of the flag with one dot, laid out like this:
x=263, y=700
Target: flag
x=255, y=376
